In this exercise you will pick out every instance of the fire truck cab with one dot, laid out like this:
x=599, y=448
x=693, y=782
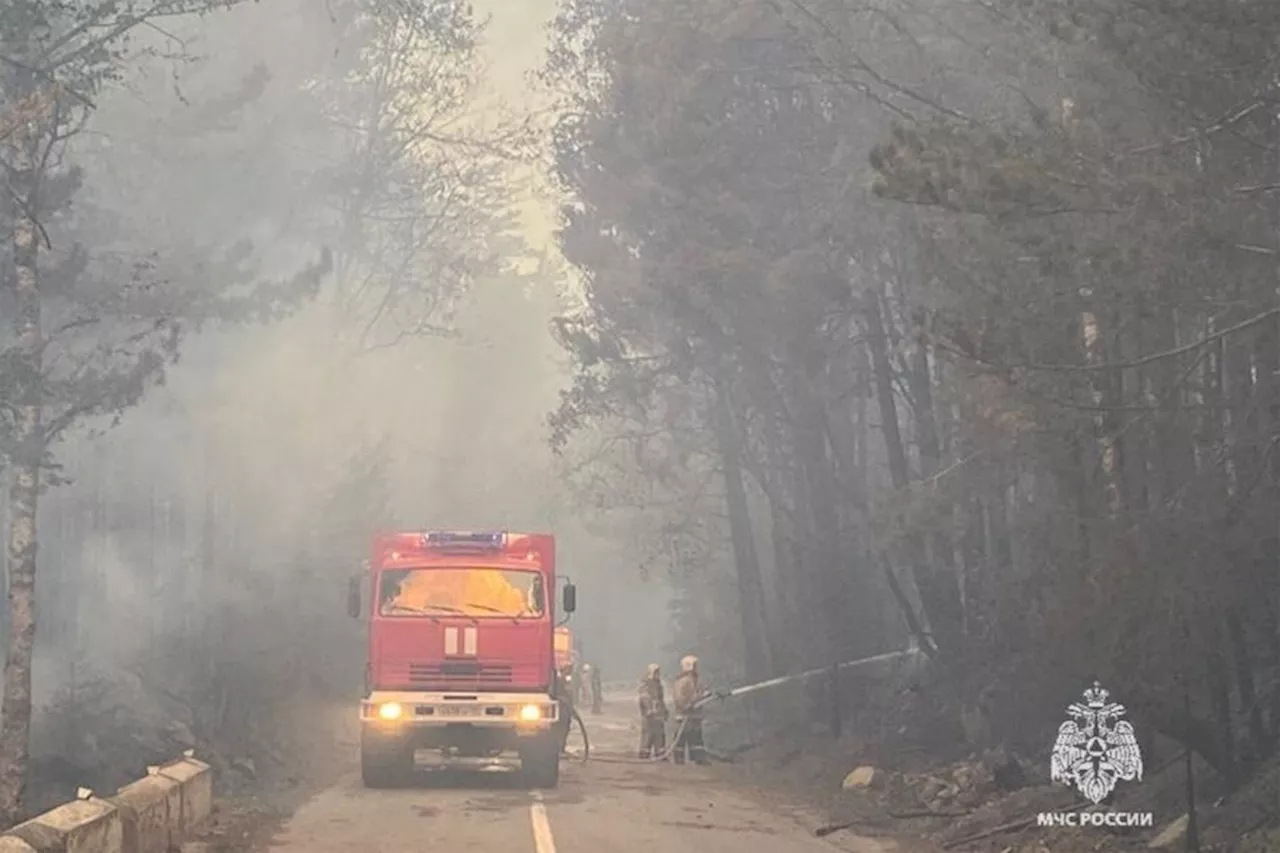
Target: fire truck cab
x=460, y=652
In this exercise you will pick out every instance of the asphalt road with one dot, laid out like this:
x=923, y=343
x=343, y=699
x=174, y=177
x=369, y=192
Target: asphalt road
x=601, y=806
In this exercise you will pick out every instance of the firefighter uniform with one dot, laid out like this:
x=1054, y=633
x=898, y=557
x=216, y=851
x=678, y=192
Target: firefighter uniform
x=579, y=688
x=597, y=691
x=686, y=692
x=565, y=689
x=653, y=714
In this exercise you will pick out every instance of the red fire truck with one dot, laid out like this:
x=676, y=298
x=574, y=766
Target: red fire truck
x=461, y=656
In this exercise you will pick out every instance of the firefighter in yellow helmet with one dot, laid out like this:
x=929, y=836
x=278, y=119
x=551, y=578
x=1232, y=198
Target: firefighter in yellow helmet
x=685, y=694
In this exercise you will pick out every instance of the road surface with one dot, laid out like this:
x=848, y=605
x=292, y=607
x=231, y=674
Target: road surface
x=602, y=806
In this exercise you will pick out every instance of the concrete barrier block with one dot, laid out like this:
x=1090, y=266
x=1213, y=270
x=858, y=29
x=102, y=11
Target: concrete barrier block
x=13, y=844
x=195, y=779
x=84, y=826
x=150, y=809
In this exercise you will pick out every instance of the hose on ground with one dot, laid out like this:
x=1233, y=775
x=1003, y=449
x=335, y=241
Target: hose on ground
x=662, y=756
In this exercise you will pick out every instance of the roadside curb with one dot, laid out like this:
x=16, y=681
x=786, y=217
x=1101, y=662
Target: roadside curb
x=151, y=815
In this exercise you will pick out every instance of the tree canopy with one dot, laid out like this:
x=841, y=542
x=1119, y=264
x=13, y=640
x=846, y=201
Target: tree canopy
x=973, y=304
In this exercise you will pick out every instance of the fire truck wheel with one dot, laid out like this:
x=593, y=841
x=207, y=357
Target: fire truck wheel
x=385, y=768
x=540, y=763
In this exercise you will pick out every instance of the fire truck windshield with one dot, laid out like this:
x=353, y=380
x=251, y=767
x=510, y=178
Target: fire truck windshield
x=473, y=592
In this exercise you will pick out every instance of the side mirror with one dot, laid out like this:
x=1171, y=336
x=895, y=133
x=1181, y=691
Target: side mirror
x=353, y=597
x=570, y=598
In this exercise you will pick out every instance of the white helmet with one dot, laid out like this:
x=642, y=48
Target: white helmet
x=651, y=671
x=688, y=663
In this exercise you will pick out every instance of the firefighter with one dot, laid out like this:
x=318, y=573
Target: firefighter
x=566, y=692
x=686, y=693
x=579, y=688
x=588, y=675
x=653, y=714
x=597, y=691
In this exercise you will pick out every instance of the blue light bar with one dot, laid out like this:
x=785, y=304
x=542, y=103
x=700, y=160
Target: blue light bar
x=486, y=541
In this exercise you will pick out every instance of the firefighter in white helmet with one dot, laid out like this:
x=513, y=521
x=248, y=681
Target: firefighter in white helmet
x=653, y=714
x=685, y=695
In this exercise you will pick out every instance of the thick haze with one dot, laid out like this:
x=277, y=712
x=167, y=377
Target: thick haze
x=220, y=520
x=807, y=326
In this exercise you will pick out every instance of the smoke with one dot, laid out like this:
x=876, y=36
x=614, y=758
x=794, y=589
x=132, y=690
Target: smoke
x=192, y=570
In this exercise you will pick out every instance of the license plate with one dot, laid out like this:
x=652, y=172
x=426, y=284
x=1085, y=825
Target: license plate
x=454, y=711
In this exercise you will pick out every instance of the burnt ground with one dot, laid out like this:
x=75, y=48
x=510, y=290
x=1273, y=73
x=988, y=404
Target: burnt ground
x=934, y=797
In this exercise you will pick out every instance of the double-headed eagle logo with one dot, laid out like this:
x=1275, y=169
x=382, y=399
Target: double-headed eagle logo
x=1096, y=748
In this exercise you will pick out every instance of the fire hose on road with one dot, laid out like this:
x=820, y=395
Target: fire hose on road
x=615, y=759
x=911, y=652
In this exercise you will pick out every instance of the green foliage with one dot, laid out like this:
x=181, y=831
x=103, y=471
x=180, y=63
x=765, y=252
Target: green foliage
x=967, y=170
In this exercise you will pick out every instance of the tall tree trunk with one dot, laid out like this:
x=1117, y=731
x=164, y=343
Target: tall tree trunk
x=1245, y=588
x=842, y=429
x=755, y=640
x=785, y=571
x=948, y=563
x=831, y=566
x=1141, y=447
x=1220, y=701
x=779, y=478
x=1173, y=445
x=24, y=490
x=938, y=593
x=882, y=373
x=1111, y=434
x=1258, y=735
x=790, y=584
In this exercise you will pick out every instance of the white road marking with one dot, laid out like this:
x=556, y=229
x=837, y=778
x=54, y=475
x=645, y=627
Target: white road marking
x=542, y=840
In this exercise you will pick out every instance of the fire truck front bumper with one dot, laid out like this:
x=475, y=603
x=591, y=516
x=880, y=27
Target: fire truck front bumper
x=498, y=720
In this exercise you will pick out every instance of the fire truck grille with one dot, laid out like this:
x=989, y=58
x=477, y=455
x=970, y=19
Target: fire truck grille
x=460, y=674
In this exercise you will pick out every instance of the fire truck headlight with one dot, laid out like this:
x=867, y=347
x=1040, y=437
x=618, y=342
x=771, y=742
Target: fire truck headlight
x=530, y=713
x=390, y=711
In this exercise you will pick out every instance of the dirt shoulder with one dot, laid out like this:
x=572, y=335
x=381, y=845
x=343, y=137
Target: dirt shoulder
x=989, y=803
x=256, y=795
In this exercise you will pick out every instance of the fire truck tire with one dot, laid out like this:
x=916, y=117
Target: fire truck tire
x=540, y=763
x=383, y=768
